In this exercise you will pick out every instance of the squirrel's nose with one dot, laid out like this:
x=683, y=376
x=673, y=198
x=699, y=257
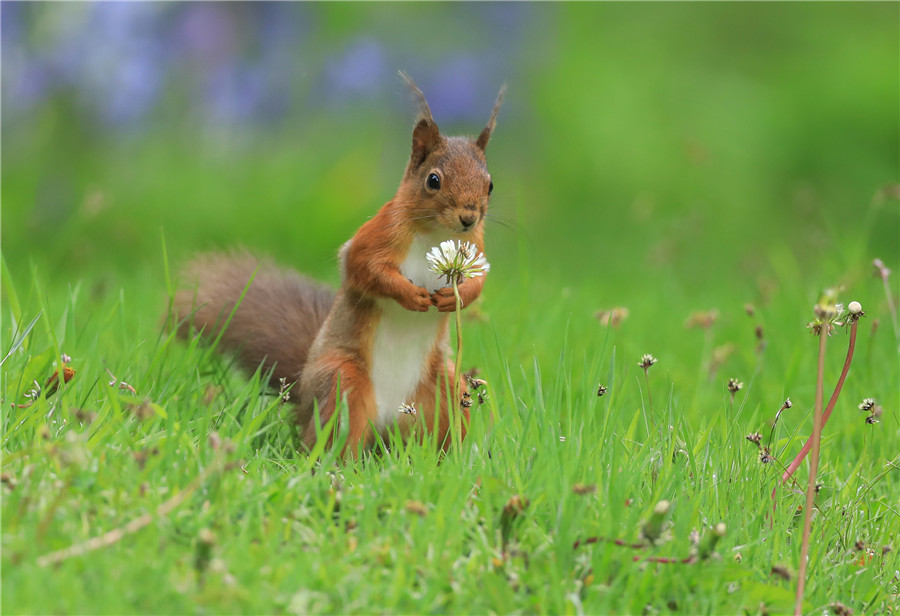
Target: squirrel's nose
x=468, y=219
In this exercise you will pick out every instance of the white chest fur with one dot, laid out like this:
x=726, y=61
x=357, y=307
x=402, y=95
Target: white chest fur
x=404, y=338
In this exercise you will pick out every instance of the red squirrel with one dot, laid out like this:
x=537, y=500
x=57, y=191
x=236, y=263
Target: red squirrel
x=382, y=339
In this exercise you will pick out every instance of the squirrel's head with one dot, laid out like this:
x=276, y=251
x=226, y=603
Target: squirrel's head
x=447, y=178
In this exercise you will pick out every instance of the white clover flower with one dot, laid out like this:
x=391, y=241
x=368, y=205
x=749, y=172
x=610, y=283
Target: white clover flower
x=457, y=260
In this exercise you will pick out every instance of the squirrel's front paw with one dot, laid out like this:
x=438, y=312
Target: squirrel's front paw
x=444, y=299
x=418, y=300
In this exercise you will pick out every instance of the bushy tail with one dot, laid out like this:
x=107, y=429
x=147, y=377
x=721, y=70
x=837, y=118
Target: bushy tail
x=276, y=321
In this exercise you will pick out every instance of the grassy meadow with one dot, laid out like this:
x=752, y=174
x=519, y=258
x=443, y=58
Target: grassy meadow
x=677, y=180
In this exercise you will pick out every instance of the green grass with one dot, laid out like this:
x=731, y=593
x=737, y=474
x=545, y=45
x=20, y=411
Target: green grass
x=296, y=533
x=674, y=164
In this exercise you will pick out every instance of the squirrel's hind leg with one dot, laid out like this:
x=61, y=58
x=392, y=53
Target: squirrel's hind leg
x=345, y=376
x=435, y=410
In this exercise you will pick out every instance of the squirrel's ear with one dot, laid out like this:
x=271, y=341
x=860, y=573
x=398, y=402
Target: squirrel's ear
x=485, y=135
x=426, y=135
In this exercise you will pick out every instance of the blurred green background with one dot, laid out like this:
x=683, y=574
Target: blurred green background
x=655, y=150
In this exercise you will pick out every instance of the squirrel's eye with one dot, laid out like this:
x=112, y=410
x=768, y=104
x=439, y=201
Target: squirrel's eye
x=491, y=187
x=433, y=182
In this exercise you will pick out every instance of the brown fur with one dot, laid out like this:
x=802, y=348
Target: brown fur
x=276, y=322
x=326, y=341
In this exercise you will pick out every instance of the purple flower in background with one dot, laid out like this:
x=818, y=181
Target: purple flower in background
x=236, y=62
x=456, y=88
x=360, y=70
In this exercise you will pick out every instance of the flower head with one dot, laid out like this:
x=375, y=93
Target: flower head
x=647, y=360
x=827, y=314
x=754, y=438
x=612, y=316
x=457, y=260
x=855, y=313
x=601, y=389
x=872, y=407
x=734, y=386
x=880, y=269
x=702, y=318
x=407, y=409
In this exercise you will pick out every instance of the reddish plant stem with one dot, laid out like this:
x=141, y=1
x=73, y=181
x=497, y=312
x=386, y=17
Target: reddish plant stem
x=590, y=540
x=666, y=560
x=816, y=438
x=798, y=460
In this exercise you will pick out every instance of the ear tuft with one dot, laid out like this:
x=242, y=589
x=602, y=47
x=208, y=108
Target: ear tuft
x=485, y=135
x=421, y=103
x=426, y=135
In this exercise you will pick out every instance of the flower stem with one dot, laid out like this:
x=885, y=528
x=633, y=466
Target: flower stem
x=795, y=463
x=816, y=439
x=455, y=415
x=891, y=307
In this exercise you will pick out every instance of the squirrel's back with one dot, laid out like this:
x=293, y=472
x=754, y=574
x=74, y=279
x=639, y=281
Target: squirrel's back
x=276, y=321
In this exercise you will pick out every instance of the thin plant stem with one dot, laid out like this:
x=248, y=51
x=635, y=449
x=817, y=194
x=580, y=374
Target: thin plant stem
x=891, y=307
x=816, y=439
x=457, y=395
x=649, y=394
x=795, y=463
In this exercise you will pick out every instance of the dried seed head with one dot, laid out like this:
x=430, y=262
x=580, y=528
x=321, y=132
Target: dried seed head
x=839, y=609
x=880, y=270
x=215, y=441
x=582, y=489
x=782, y=572
x=703, y=319
x=749, y=309
x=407, y=409
x=764, y=456
x=647, y=360
x=787, y=403
x=755, y=438
x=734, y=386
x=284, y=389
x=466, y=401
x=867, y=404
x=473, y=382
x=855, y=313
x=601, y=389
x=417, y=507
x=612, y=316
x=827, y=313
